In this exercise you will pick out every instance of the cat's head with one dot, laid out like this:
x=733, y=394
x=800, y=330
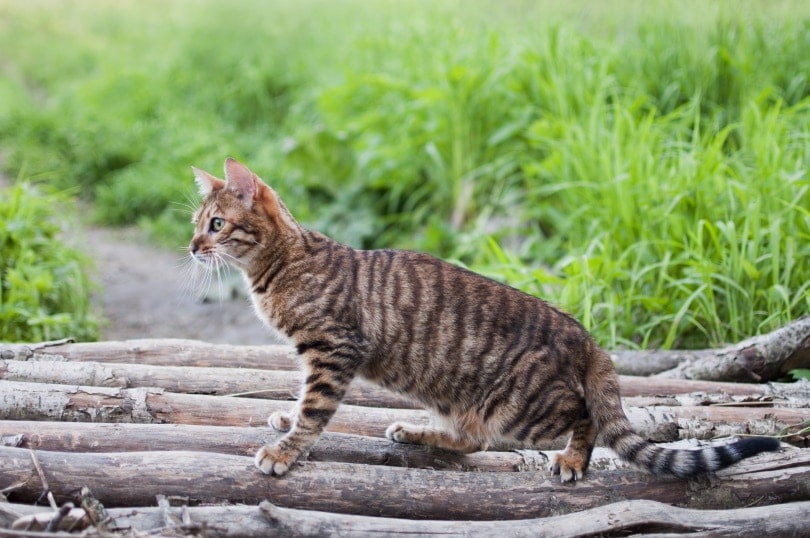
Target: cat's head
x=240, y=220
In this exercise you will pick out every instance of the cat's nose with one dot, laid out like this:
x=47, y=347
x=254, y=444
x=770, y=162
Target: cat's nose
x=193, y=248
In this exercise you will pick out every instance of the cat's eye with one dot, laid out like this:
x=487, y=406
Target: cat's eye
x=217, y=224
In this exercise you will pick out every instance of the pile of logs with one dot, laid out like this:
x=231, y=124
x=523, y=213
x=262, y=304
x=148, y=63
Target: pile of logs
x=156, y=438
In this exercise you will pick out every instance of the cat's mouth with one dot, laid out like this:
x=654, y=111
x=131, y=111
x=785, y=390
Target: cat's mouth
x=201, y=259
x=214, y=260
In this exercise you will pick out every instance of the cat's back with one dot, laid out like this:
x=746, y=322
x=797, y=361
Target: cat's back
x=405, y=300
x=416, y=286
x=432, y=314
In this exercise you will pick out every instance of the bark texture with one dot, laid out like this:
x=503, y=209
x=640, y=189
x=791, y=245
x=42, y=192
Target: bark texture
x=765, y=357
x=134, y=478
x=71, y=403
x=639, y=518
x=285, y=384
x=146, y=421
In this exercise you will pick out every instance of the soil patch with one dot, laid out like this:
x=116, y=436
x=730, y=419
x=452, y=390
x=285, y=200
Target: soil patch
x=145, y=293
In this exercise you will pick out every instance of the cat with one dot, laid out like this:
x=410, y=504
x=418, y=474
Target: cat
x=494, y=364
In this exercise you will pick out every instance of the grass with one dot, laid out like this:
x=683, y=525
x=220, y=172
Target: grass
x=645, y=166
x=44, y=288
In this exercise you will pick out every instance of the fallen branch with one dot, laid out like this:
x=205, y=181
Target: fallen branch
x=761, y=358
x=160, y=352
x=218, y=381
x=332, y=446
x=134, y=478
x=35, y=401
x=285, y=384
x=619, y=518
x=797, y=393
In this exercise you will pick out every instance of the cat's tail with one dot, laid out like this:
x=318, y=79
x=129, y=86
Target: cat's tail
x=606, y=410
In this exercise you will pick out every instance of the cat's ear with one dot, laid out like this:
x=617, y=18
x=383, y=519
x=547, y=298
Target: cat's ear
x=251, y=189
x=206, y=183
x=242, y=181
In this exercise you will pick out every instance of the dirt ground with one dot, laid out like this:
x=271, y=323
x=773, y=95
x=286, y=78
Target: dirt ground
x=145, y=293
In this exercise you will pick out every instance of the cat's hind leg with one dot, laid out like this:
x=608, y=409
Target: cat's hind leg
x=572, y=463
x=427, y=435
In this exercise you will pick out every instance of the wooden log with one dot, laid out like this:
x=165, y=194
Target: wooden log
x=761, y=358
x=285, y=385
x=619, y=518
x=134, y=478
x=36, y=401
x=332, y=446
x=797, y=393
x=218, y=381
x=159, y=352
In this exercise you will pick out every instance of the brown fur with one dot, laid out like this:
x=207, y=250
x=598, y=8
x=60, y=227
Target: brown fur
x=493, y=363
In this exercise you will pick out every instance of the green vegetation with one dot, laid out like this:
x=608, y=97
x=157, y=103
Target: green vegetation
x=643, y=164
x=44, y=289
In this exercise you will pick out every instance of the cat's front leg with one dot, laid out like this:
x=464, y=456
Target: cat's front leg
x=322, y=392
x=281, y=421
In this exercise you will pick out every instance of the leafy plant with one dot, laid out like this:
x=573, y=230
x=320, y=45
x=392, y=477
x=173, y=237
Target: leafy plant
x=646, y=168
x=44, y=288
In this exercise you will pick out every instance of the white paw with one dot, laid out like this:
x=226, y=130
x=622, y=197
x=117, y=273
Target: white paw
x=280, y=421
x=397, y=432
x=270, y=459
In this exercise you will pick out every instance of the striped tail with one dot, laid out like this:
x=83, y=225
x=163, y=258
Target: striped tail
x=605, y=408
x=686, y=463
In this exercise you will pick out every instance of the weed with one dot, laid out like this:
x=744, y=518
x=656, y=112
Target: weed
x=645, y=166
x=44, y=289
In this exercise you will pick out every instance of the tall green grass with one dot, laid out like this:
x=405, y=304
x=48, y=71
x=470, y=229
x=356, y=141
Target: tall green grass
x=645, y=165
x=44, y=287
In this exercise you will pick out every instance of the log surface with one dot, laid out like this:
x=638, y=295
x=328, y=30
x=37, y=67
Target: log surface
x=285, y=384
x=764, y=357
x=37, y=401
x=134, y=478
x=136, y=419
x=332, y=446
x=619, y=518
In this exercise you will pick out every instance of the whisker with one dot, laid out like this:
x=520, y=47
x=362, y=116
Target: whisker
x=191, y=270
x=188, y=259
x=219, y=268
x=235, y=260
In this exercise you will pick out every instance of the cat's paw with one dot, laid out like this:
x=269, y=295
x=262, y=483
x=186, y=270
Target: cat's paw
x=569, y=468
x=400, y=432
x=280, y=421
x=273, y=460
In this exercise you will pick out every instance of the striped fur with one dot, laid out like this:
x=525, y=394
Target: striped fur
x=493, y=363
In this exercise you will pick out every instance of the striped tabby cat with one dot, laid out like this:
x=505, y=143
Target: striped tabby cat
x=492, y=363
